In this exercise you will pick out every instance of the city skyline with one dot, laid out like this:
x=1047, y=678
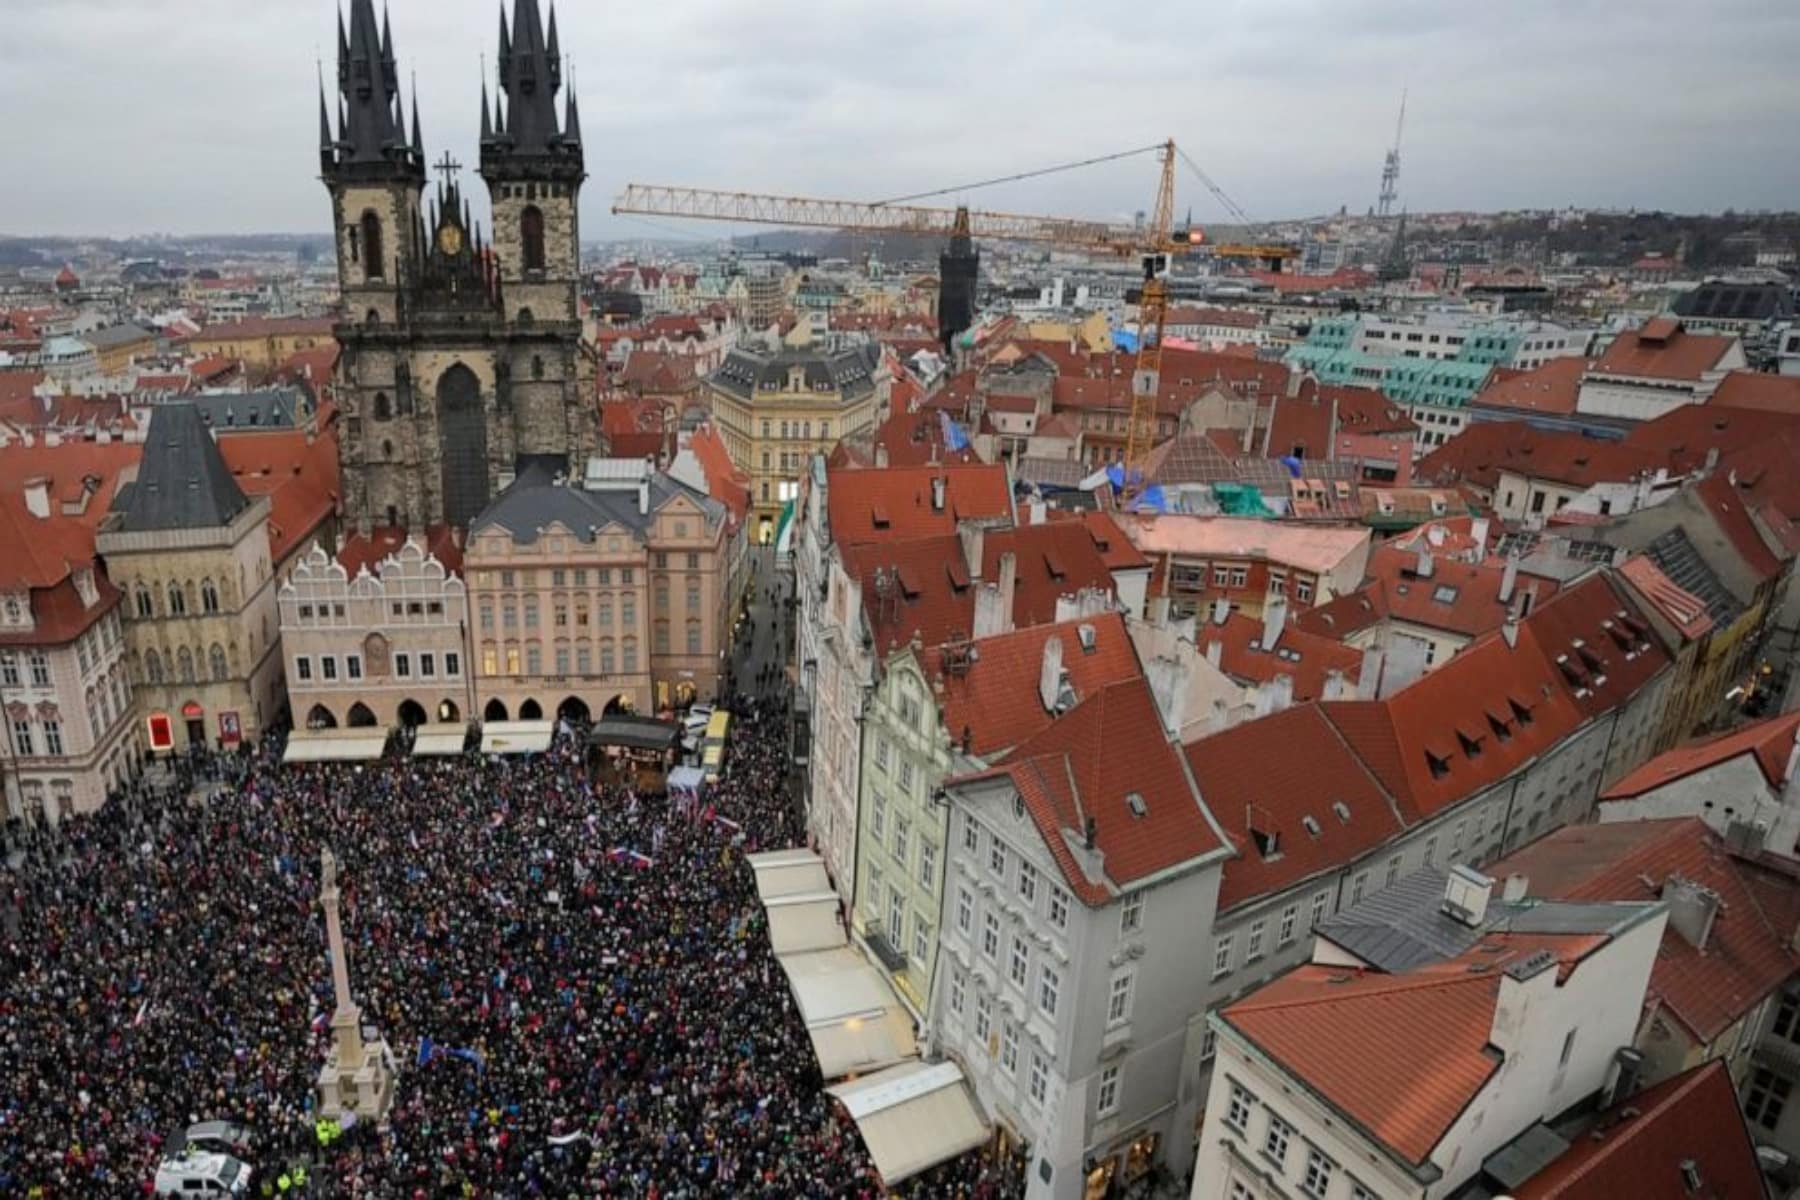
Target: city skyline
x=1290, y=107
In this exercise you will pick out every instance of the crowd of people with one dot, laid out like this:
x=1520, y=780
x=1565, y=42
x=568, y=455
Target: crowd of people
x=586, y=965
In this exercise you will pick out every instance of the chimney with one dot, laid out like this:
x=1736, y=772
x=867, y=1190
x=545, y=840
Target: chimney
x=1214, y=652
x=1466, y=895
x=1168, y=684
x=1009, y=574
x=1368, y=679
x=37, y=496
x=1530, y=601
x=1089, y=831
x=1712, y=461
x=1509, y=629
x=1692, y=909
x=1051, y=681
x=1274, y=622
x=1478, y=532
x=938, y=484
x=974, y=539
x=1514, y=888
x=1337, y=687
x=1221, y=610
x=881, y=458
x=1425, y=566
x=1036, y=510
x=1509, y=579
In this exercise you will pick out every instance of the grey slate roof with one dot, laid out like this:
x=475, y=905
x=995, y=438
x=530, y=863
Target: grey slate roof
x=848, y=370
x=115, y=335
x=1677, y=558
x=1729, y=300
x=182, y=481
x=534, y=501
x=268, y=408
x=1404, y=926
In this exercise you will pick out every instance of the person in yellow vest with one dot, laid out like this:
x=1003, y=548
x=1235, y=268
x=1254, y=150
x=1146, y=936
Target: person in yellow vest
x=285, y=1183
x=300, y=1178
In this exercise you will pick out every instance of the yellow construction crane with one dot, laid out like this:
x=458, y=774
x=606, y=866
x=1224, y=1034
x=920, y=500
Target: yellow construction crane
x=1154, y=243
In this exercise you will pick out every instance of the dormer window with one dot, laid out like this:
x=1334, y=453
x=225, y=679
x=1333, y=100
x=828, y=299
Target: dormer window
x=1501, y=728
x=1471, y=743
x=1437, y=764
x=1521, y=712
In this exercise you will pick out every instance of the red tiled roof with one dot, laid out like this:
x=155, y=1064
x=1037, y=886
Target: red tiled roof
x=1302, y=424
x=1086, y=764
x=1642, y=1145
x=16, y=388
x=1680, y=607
x=299, y=476
x=1401, y=1055
x=1344, y=278
x=1275, y=773
x=1479, y=453
x=264, y=327
x=911, y=439
x=1235, y=317
x=1551, y=388
x=1458, y=597
x=879, y=505
x=1306, y=658
x=1769, y=742
x=1662, y=349
x=725, y=482
x=357, y=552
x=1365, y=410
x=993, y=694
x=1732, y=513
x=1115, y=546
x=1759, y=391
x=1749, y=952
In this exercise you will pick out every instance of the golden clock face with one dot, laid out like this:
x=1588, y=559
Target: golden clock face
x=449, y=240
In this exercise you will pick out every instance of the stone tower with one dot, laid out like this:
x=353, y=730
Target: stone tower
x=459, y=359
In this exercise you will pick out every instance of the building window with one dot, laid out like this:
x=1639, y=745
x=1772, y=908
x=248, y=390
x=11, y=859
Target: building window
x=209, y=596
x=1222, y=956
x=1303, y=590
x=1209, y=1044
x=1059, y=907
x=512, y=660
x=1237, y=1109
x=1253, y=942
x=53, y=743
x=907, y=775
x=1285, y=935
x=1275, y=1141
x=1763, y=1102
x=1039, y=1085
x=303, y=668
x=984, y=1019
x=997, y=857
x=878, y=819
x=1131, y=916
x=1787, y=1019
x=971, y=834
x=144, y=606
x=22, y=736
x=956, y=992
x=1049, y=987
x=427, y=666
x=352, y=665
x=452, y=664
x=927, y=864
x=990, y=937
x=403, y=666
x=965, y=910
x=1393, y=870
x=902, y=836
x=490, y=661
x=40, y=668
x=328, y=666
x=1107, y=1100
x=9, y=669
x=921, y=942
x=1358, y=886
x=1009, y=1046
x=896, y=916
x=1118, y=1000
x=531, y=238
x=1320, y=903
x=1019, y=968
x=1319, y=1171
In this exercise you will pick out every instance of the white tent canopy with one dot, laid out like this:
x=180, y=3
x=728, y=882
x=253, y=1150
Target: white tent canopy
x=359, y=744
x=517, y=737
x=434, y=741
x=913, y=1116
x=856, y=1022
x=789, y=873
x=803, y=922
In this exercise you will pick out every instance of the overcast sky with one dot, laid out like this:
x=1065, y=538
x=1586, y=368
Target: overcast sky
x=195, y=116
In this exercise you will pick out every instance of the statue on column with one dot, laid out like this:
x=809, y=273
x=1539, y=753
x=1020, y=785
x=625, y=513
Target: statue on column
x=358, y=1075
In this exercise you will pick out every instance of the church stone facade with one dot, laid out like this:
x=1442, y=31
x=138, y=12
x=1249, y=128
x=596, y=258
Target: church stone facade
x=462, y=359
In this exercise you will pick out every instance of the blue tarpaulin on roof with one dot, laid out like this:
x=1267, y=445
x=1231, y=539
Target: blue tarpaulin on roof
x=1151, y=499
x=954, y=437
x=1124, y=339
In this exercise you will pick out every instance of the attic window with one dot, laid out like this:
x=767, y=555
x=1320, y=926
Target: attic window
x=1444, y=594
x=1135, y=802
x=1342, y=810
x=1438, y=765
x=1594, y=662
x=1311, y=826
x=1267, y=843
x=1054, y=567
x=879, y=515
x=1471, y=743
x=1572, y=671
x=1088, y=638
x=958, y=572
x=1521, y=711
x=1502, y=730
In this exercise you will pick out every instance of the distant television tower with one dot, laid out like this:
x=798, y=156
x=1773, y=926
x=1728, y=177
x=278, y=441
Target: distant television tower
x=1390, y=169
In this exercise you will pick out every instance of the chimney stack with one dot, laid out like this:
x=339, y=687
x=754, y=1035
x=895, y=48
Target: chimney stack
x=881, y=458
x=974, y=540
x=37, y=496
x=1478, y=532
x=1425, y=566
x=1051, y=682
x=938, y=485
x=1009, y=575
x=1509, y=579
x=1221, y=610
x=1274, y=622
x=1692, y=909
x=1466, y=895
x=1368, y=678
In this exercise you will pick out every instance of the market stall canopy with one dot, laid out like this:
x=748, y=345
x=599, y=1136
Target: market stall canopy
x=686, y=779
x=913, y=1116
x=427, y=743
x=334, y=745
x=855, y=1021
x=517, y=737
x=634, y=733
x=804, y=922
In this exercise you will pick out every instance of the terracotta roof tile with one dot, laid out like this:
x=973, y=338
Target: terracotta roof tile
x=1306, y=658
x=1640, y=1147
x=1551, y=388
x=1401, y=1055
x=1286, y=775
x=993, y=693
x=1662, y=349
x=878, y=505
x=1758, y=390
x=1769, y=743
x=1749, y=951
x=1680, y=607
x=442, y=542
x=1088, y=763
x=1732, y=513
x=264, y=327
x=725, y=481
x=299, y=475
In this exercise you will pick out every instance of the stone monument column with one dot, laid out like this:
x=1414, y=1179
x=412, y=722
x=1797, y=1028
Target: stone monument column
x=358, y=1076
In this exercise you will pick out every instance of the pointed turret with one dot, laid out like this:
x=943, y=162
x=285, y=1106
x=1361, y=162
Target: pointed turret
x=527, y=129
x=327, y=147
x=371, y=139
x=572, y=121
x=418, y=139
x=958, y=268
x=487, y=126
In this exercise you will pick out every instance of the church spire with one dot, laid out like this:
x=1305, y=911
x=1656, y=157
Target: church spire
x=327, y=148
x=487, y=126
x=527, y=130
x=372, y=134
x=572, y=121
x=418, y=141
